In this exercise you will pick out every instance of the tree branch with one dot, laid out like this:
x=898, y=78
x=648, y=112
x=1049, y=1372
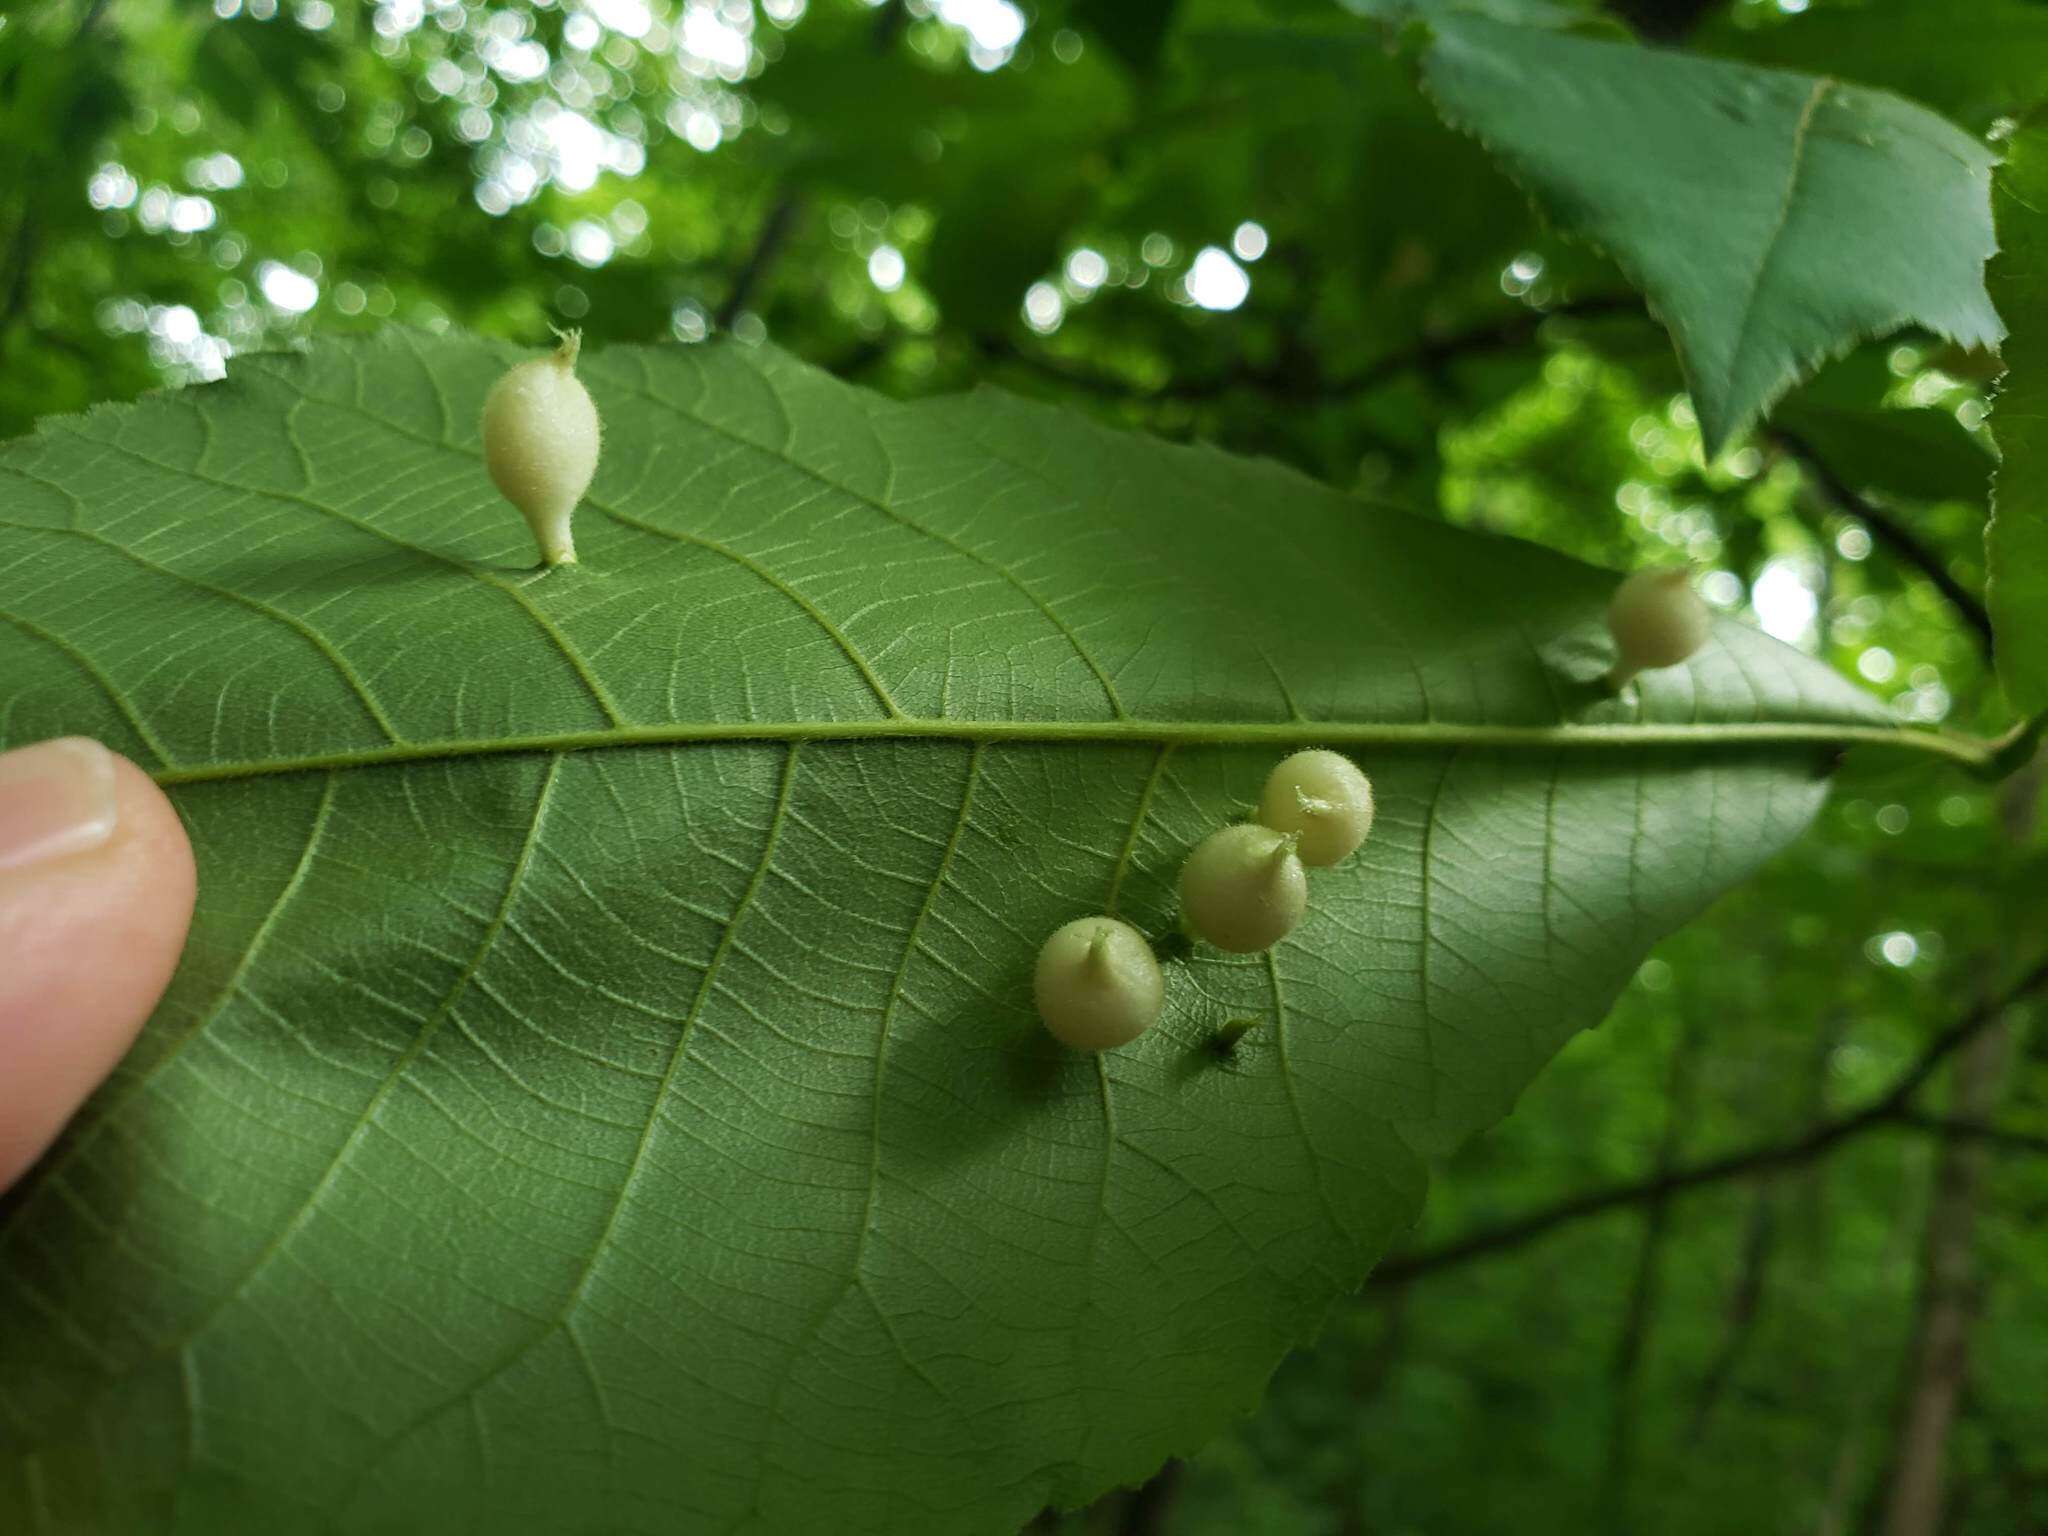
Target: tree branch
x=1518, y=330
x=890, y=21
x=1295, y=379
x=1759, y=1241
x=761, y=260
x=1946, y=1313
x=1890, y=1109
x=1759, y=1238
x=21, y=259
x=1888, y=531
x=1618, y=1476
x=1952, y=1128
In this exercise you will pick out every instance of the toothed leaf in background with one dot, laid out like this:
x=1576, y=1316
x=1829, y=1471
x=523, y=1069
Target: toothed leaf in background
x=1772, y=219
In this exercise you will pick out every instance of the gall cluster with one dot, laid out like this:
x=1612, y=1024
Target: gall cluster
x=1098, y=984
x=1243, y=888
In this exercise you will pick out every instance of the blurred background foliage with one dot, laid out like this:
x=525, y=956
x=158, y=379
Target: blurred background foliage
x=1687, y=1288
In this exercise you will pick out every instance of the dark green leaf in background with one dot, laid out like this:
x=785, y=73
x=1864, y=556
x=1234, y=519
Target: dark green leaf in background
x=1971, y=60
x=603, y=1084
x=1009, y=190
x=1920, y=455
x=2018, y=538
x=1135, y=29
x=1772, y=219
x=1524, y=13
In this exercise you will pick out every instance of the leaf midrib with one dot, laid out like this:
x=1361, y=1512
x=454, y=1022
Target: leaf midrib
x=894, y=724
x=1745, y=335
x=1970, y=751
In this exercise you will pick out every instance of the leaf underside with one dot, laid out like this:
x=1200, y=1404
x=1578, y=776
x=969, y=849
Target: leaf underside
x=1772, y=219
x=657, y=1136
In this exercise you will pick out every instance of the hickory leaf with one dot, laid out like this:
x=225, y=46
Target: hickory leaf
x=1772, y=219
x=602, y=1091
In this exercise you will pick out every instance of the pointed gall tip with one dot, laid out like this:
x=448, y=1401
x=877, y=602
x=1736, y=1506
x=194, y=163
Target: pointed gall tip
x=1312, y=805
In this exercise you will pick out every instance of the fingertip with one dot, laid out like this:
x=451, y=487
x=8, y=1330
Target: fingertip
x=97, y=885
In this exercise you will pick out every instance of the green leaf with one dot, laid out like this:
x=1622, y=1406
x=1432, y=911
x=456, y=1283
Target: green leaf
x=603, y=1084
x=1134, y=30
x=1971, y=60
x=1526, y=13
x=1920, y=455
x=2017, y=556
x=1772, y=219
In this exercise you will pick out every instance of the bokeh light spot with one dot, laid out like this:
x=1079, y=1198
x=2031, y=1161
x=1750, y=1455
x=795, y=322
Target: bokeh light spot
x=885, y=268
x=1044, y=308
x=1217, y=282
x=293, y=292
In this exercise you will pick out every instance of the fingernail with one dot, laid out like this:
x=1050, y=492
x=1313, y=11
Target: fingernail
x=56, y=799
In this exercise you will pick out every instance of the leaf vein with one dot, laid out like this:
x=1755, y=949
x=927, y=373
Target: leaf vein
x=1745, y=331
x=628, y=1179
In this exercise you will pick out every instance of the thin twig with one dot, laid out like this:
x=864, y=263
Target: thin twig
x=761, y=260
x=851, y=365
x=1291, y=378
x=1645, y=1291
x=1518, y=330
x=21, y=258
x=1951, y=1128
x=1889, y=1110
x=890, y=21
x=1888, y=531
x=1760, y=1236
